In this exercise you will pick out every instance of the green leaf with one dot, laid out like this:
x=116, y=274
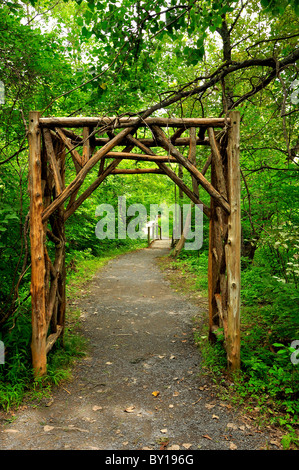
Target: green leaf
x=86, y=33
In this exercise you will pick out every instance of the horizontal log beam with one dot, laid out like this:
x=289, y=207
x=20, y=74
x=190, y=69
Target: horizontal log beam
x=136, y=171
x=172, y=175
x=114, y=122
x=141, y=157
x=176, y=139
x=75, y=204
x=179, y=141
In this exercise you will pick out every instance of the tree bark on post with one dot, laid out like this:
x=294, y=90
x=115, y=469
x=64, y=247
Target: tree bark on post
x=213, y=262
x=59, y=231
x=39, y=324
x=233, y=246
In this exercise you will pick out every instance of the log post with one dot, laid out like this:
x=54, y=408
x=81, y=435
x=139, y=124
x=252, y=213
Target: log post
x=39, y=323
x=213, y=263
x=233, y=246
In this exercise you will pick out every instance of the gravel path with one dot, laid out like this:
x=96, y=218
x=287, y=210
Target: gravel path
x=140, y=386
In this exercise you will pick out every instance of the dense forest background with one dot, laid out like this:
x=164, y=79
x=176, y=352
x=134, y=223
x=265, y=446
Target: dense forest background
x=194, y=58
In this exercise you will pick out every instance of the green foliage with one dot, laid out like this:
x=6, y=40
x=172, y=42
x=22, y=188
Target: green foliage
x=270, y=325
x=277, y=7
x=269, y=378
x=121, y=57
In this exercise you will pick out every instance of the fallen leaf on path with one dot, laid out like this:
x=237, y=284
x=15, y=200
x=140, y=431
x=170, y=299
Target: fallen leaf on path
x=275, y=443
x=175, y=394
x=173, y=447
x=96, y=408
x=88, y=419
x=215, y=417
x=231, y=426
x=206, y=436
x=10, y=430
x=130, y=409
x=163, y=445
x=164, y=431
x=209, y=406
x=187, y=446
x=232, y=446
x=48, y=428
x=156, y=393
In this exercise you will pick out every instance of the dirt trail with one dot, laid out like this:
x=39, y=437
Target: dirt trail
x=141, y=341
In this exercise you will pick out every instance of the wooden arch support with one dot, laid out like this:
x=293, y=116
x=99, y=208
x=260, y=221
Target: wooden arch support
x=54, y=143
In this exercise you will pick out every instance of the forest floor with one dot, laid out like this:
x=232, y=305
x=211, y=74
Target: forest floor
x=140, y=386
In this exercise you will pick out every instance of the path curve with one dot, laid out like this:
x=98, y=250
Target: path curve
x=141, y=341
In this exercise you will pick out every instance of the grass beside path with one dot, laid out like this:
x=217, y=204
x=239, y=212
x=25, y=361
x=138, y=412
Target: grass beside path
x=16, y=378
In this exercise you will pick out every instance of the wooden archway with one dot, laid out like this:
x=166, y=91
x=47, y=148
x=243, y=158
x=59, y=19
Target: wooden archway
x=51, y=139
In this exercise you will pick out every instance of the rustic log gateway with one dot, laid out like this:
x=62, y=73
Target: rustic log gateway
x=52, y=139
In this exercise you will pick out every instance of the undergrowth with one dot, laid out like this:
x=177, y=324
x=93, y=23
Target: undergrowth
x=16, y=376
x=268, y=383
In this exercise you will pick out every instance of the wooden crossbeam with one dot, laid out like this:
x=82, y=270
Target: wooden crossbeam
x=136, y=171
x=141, y=157
x=78, y=181
x=77, y=140
x=72, y=207
x=178, y=141
x=123, y=122
x=172, y=175
x=165, y=143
